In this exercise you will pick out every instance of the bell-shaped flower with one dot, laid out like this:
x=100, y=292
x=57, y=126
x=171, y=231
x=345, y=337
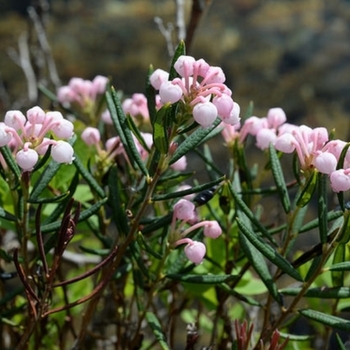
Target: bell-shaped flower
x=195, y=252
x=62, y=152
x=170, y=93
x=325, y=162
x=340, y=180
x=184, y=210
x=15, y=119
x=91, y=136
x=204, y=113
x=26, y=158
x=158, y=77
x=212, y=229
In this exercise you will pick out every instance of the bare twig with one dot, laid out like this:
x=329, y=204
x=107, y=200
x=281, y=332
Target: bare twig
x=44, y=45
x=180, y=20
x=167, y=33
x=22, y=59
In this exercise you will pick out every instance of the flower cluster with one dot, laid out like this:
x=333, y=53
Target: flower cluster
x=184, y=210
x=312, y=145
x=84, y=96
x=29, y=137
x=82, y=92
x=199, y=86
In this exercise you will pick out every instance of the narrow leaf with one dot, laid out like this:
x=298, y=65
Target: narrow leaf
x=202, y=279
x=269, y=252
x=151, y=97
x=279, y=178
x=328, y=320
x=342, y=266
x=157, y=330
x=195, y=139
x=338, y=257
x=117, y=205
x=179, y=51
x=160, y=129
x=120, y=123
x=308, y=190
x=322, y=207
x=88, y=177
x=319, y=292
x=6, y=215
x=10, y=161
x=44, y=179
x=242, y=206
x=259, y=264
x=195, y=189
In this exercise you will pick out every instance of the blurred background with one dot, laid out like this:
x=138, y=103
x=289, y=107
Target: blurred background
x=294, y=54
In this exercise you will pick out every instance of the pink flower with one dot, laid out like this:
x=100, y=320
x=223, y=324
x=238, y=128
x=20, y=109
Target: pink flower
x=340, y=180
x=62, y=152
x=205, y=113
x=27, y=158
x=184, y=210
x=180, y=165
x=169, y=92
x=91, y=136
x=195, y=252
x=158, y=77
x=212, y=229
x=325, y=162
x=264, y=137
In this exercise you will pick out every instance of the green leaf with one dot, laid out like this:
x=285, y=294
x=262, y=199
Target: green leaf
x=161, y=127
x=6, y=215
x=10, y=161
x=342, y=266
x=151, y=97
x=328, y=320
x=202, y=279
x=179, y=51
x=120, y=123
x=319, y=293
x=259, y=264
x=322, y=207
x=154, y=323
x=56, y=199
x=195, y=139
x=44, y=179
x=332, y=215
x=195, y=189
x=116, y=203
x=174, y=179
x=88, y=177
x=244, y=208
x=340, y=342
x=143, y=244
x=338, y=257
x=279, y=178
x=308, y=190
x=269, y=252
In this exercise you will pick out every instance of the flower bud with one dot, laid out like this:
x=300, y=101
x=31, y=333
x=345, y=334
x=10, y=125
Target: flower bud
x=62, y=152
x=184, y=210
x=99, y=84
x=180, y=164
x=158, y=77
x=170, y=92
x=184, y=65
x=264, y=137
x=195, y=252
x=276, y=117
x=26, y=159
x=233, y=118
x=340, y=180
x=15, y=119
x=106, y=117
x=212, y=230
x=91, y=136
x=36, y=115
x=5, y=136
x=224, y=105
x=204, y=113
x=325, y=162
x=63, y=129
